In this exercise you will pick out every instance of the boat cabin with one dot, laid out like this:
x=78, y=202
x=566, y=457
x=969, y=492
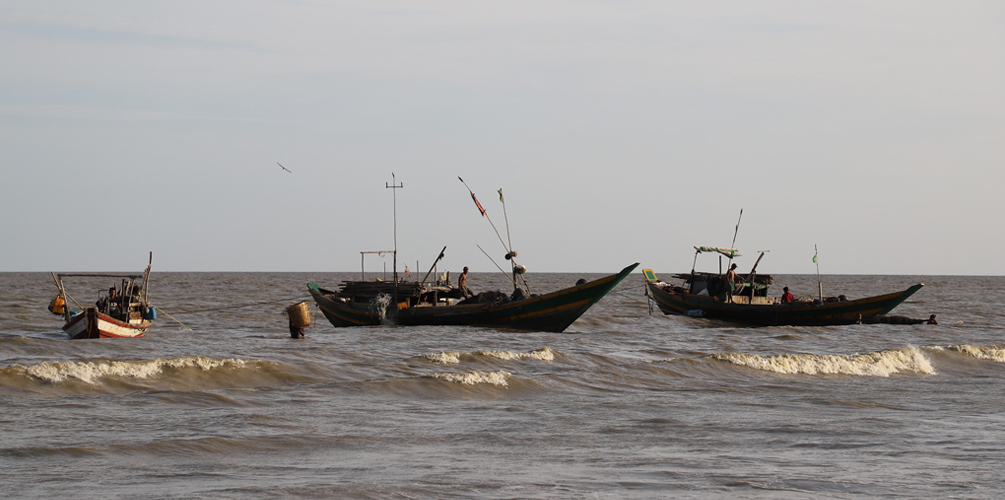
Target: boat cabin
x=751, y=288
x=408, y=293
x=125, y=301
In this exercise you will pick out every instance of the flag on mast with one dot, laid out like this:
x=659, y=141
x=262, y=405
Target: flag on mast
x=815, y=252
x=479, y=205
x=500, y=196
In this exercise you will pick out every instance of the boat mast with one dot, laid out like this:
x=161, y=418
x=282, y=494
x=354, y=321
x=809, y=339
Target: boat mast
x=394, y=186
x=820, y=284
x=146, y=278
x=732, y=245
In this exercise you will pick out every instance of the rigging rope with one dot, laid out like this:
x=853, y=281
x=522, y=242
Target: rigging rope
x=277, y=301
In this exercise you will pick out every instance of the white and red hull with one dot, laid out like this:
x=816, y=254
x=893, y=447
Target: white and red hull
x=91, y=324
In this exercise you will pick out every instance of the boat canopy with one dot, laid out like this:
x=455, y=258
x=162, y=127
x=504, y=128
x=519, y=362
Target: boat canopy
x=728, y=252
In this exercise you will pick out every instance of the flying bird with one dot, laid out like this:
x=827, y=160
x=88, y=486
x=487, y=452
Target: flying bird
x=282, y=167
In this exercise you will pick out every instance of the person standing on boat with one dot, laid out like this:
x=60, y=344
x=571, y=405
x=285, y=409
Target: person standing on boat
x=105, y=304
x=462, y=283
x=732, y=278
x=787, y=297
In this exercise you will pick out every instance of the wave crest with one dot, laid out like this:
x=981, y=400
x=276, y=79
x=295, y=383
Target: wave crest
x=988, y=352
x=443, y=357
x=500, y=379
x=543, y=354
x=90, y=372
x=875, y=364
x=453, y=358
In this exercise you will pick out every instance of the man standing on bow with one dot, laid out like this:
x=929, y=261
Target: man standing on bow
x=462, y=283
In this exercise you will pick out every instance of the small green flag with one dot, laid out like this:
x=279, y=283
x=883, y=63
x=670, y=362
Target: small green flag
x=814, y=258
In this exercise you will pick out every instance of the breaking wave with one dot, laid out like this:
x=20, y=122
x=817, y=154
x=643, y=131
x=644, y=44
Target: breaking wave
x=453, y=358
x=875, y=364
x=93, y=372
x=500, y=379
x=444, y=358
x=988, y=352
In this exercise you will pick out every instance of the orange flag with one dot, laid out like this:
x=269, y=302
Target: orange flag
x=479, y=205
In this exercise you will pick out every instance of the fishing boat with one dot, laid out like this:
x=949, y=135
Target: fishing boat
x=398, y=302
x=123, y=311
x=372, y=303
x=746, y=300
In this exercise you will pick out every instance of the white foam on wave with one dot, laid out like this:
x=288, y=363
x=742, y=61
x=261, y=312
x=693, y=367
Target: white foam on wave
x=543, y=354
x=988, y=352
x=381, y=302
x=92, y=371
x=500, y=379
x=453, y=358
x=444, y=358
x=874, y=364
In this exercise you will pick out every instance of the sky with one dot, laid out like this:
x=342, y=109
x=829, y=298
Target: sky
x=619, y=132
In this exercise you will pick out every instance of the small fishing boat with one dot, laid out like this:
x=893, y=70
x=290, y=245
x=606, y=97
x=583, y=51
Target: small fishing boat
x=122, y=311
x=746, y=300
x=360, y=303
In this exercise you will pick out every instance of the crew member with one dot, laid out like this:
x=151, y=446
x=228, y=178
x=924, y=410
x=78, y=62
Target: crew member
x=295, y=331
x=787, y=297
x=932, y=320
x=462, y=283
x=732, y=278
x=105, y=304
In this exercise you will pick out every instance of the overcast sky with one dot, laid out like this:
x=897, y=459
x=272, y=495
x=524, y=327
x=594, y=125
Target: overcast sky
x=619, y=132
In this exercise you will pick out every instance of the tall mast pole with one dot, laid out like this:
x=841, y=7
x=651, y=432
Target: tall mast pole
x=394, y=186
x=733, y=244
x=820, y=284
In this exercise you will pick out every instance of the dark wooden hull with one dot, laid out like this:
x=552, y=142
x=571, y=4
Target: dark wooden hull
x=91, y=324
x=828, y=313
x=553, y=312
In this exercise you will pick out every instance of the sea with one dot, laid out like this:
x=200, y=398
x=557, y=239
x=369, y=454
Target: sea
x=217, y=401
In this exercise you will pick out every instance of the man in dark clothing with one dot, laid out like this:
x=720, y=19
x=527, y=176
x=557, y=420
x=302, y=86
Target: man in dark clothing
x=295, y=331
x=105, y=304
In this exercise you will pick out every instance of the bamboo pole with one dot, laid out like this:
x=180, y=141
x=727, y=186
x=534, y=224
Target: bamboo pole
x=432, y=266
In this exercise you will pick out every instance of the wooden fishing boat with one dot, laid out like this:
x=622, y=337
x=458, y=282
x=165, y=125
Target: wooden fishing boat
x=425, y=305
x=706, y=295
x=121, y=312
x=398, y=302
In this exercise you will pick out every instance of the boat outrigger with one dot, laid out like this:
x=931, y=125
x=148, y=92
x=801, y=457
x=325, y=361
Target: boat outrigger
x=746, y=300
x=122, y=312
